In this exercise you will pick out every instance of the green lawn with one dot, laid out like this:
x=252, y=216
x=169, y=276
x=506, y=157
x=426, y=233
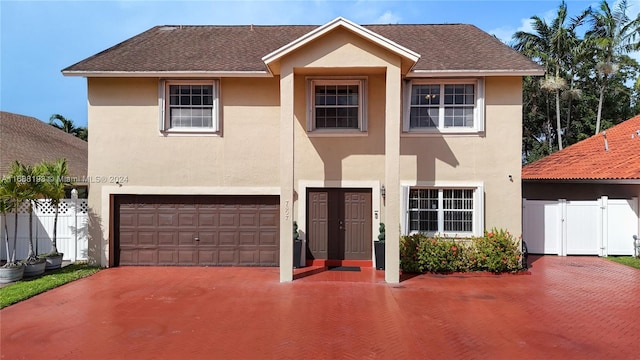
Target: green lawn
x=626, y=260
x=25, y=289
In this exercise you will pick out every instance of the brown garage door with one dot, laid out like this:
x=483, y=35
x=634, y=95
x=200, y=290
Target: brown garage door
x=197, y=230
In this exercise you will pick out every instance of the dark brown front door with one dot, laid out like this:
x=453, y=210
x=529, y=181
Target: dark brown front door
x=339, y=224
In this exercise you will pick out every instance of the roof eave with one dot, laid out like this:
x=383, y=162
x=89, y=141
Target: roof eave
x=340, y=21
x=166, y=74
x=471, y=72
x=585, y=181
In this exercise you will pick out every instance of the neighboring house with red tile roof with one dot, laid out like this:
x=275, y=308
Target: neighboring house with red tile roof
x=223, y=136
x=30, y=141
x=601, y=176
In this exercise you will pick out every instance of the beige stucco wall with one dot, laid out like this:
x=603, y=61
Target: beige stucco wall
x=125, y=141
x=246, y=157
x=487, y=158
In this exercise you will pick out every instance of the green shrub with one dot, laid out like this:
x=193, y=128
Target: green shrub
x=442, y=255
x=409, y=246
x=496, y=251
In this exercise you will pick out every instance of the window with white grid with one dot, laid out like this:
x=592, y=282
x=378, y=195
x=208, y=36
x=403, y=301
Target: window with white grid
x=336, y=104
x=441, y=210
x=191, y=106
x=444, y=106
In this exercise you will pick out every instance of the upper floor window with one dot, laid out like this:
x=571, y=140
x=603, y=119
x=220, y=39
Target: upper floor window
x=337, y=104
x=190, y=106
x=445, y=106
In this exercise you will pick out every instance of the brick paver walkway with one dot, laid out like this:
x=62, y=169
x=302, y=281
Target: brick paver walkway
x=568, y=308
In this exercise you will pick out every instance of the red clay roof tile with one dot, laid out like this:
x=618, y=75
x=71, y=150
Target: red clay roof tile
x=588, y=159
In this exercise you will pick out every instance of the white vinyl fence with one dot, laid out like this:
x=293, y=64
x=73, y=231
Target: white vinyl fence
x=72, y=234
x=562, y=227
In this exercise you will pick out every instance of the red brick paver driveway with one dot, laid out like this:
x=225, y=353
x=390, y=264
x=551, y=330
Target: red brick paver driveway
x=568, y=308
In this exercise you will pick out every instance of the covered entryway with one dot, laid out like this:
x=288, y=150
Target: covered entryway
x=339, y=224
x=196, y=230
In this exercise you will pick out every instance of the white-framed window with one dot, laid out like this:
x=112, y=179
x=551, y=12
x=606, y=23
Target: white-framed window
x=189, y=106
x=336, y=105
x=451, y=211
x=444, y=106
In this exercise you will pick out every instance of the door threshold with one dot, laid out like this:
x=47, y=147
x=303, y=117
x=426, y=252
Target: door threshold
x=326, y=262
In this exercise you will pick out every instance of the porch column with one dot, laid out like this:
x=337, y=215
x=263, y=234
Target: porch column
x=286, y=174
x=393, y=111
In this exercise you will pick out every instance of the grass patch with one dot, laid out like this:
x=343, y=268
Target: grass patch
x=25, y=289
x=626, y=260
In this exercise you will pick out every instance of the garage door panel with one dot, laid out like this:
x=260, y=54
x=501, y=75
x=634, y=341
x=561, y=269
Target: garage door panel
x=228, y=219
x=147, y=238
x=167, y=220
x=146, y=219
x=187, y=219
x=167, y=256
x=167, y=238
x=268, y=219
x=249, y=238
x=187, y=256
x=128, y=256
x=208, y=238
x=127, y=238
x=231, y=230
x=147, y=257
x=207, y=256
x=127, y=219
x=250, y=220
x=269, y=257
x=248, y=257
x=269, y=238
x=228, y=238
x=227, y=257
x=207, y=220
x=186, y=237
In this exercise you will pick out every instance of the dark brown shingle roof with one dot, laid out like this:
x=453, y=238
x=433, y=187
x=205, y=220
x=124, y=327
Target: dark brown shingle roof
x=451, y=47
x=30, y=141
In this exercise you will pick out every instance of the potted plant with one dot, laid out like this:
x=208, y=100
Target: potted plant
x=297, y=247
x=10, y=196
x=379, y=248
x=56, y=173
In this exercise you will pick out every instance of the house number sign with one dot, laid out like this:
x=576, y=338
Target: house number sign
x=287, y=210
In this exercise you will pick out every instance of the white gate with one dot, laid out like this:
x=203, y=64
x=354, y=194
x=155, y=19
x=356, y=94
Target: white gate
x=72, y=234
x=601, y=227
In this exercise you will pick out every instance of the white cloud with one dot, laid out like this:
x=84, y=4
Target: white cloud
x=388, y=18
x=505, y=33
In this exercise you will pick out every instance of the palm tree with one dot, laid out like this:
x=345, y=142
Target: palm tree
x=14, y=193
x=57, y=178
x=612, y=34
x=29, y=179
x=551, y=44
x=6, y=206
x=64, y=124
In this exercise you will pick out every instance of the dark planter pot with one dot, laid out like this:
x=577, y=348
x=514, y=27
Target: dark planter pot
x=11, y=274
x=297, y=253
x=35, y=269
x=379, y=248
x=54, y=262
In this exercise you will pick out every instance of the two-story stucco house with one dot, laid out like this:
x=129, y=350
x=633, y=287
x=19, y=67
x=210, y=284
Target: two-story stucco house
x=208, y=142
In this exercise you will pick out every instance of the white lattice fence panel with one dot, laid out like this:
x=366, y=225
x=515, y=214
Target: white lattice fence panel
x=72, y=230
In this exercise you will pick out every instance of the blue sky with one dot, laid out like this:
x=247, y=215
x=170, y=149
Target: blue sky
x=40, y=38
